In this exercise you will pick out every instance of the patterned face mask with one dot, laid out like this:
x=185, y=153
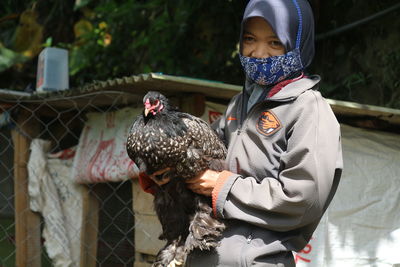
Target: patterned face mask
x=267, y=71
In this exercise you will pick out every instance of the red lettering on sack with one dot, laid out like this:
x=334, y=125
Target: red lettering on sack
x=306, y=250
x=110, y=120
x=297, y=257
x=102, y=158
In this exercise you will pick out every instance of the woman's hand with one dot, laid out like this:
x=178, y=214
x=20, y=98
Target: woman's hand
x=203, y=183
x=160, y=174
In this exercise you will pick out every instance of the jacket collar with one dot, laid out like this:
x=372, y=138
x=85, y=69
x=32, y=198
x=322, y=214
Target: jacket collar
x=296, y=88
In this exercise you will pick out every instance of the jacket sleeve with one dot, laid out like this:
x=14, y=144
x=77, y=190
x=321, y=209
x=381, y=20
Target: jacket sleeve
x=309, y=172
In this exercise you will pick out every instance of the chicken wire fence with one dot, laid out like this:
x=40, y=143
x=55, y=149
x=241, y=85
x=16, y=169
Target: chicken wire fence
x=98, y=219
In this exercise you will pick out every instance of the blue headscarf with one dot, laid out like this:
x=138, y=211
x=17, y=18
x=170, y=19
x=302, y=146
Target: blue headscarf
x=291, y=20
x=293, y=23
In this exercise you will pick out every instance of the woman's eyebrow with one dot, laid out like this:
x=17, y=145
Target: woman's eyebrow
x=270, y=36
x=247, y=32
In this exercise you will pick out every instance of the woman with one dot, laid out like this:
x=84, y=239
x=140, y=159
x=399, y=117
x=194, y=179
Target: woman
x=284, y=151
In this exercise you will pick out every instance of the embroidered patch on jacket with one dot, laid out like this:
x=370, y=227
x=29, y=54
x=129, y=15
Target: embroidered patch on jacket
x=268, y=123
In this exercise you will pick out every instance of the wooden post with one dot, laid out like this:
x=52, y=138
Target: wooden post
x=193, y=104
x=27, y=223
x=89, y=231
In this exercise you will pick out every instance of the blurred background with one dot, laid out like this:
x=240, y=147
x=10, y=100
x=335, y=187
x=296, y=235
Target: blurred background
x=357, y=42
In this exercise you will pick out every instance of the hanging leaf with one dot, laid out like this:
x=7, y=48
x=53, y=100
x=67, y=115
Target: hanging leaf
x=29, y=34
x=49, y=42
x=9, y=58
x=80, y=4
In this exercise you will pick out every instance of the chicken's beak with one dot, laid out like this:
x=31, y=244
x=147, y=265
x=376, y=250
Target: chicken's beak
x=146, y=111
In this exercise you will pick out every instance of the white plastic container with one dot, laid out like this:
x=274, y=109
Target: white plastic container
x=52, y=71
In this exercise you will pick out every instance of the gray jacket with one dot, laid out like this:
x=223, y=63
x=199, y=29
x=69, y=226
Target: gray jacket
x=284, y=161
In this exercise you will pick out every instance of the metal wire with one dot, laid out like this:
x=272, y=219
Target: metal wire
x=118, y=223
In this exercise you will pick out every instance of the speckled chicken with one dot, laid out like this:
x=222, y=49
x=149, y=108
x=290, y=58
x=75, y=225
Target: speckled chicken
x=163, y=137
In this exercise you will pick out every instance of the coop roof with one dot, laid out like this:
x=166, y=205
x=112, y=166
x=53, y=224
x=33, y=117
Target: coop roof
x=132, y=88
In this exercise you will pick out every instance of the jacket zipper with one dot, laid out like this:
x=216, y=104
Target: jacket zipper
x=239, y=128
x=248, y=115
x=244, y=249
x=249, y=238
x=243, y=114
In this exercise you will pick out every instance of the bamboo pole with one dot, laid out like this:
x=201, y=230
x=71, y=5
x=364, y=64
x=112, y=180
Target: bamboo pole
x=90, y=225
x=27, y=223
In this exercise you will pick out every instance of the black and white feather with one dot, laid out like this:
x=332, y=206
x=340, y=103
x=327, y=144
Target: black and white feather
x=162, y=137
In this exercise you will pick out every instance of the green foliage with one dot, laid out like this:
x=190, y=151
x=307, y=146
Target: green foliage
x=362, y=64
x=9, y=58
x=48, y=43
x=199, y=39
x=172, y=37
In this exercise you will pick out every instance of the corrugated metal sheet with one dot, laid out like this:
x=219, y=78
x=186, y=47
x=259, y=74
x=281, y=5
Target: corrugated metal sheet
x=136, y=84
x=132, y=88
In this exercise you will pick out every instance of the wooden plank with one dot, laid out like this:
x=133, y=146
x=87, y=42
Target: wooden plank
x=193, y=104
x=143, y=260
x=391, y=116
x=129, y=90
x=147, y=227
x=209, y=88
x=27, y=223
x=90, y=225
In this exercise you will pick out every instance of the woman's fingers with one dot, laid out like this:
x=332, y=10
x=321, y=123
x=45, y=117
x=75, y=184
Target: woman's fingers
x=203, y=183
x=202, y=191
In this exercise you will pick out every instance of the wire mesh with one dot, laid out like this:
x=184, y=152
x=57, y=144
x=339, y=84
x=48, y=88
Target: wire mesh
x=109, y=225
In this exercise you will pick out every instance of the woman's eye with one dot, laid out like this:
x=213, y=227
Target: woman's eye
x=276, y=44
x=248, y=38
